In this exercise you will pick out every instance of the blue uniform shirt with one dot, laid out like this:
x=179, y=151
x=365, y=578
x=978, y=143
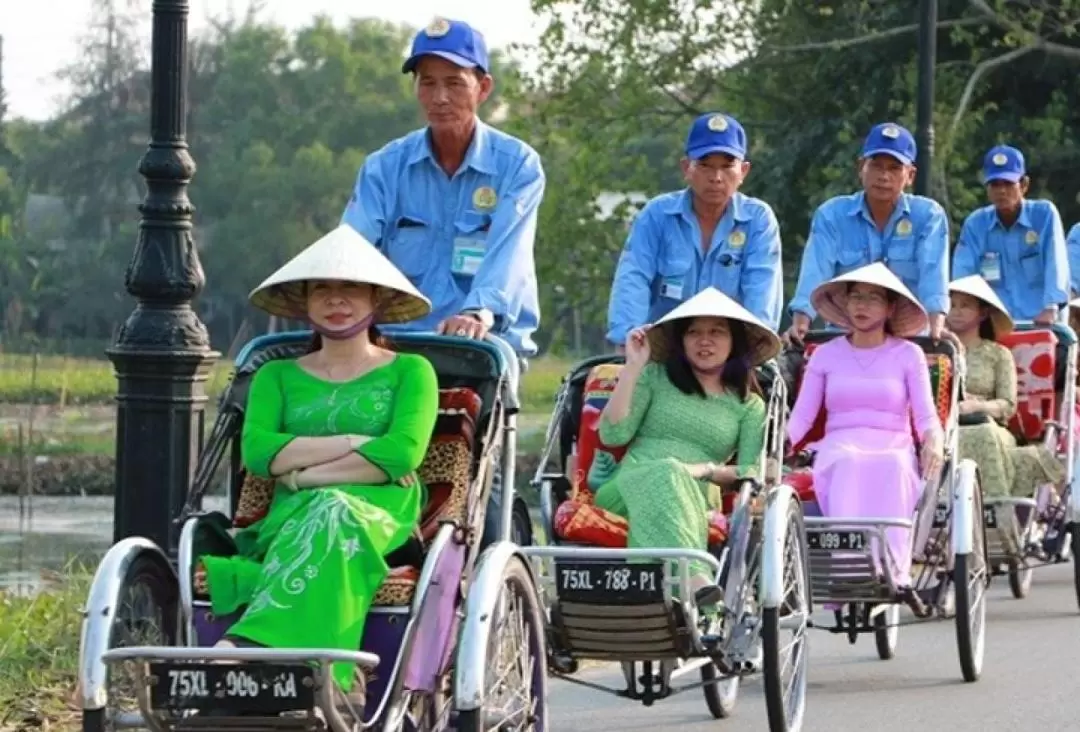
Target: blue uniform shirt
x=465, y=241
x=662, y=263
x=1027, y=264
x=914, y=246
x=1072, y=244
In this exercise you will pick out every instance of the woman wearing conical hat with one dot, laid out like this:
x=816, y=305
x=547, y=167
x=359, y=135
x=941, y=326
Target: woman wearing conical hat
x=871, y=382
x=342, y=430
x=978, y=317
x=685, y=405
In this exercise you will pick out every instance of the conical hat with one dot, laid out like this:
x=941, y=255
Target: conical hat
x=342, y=255
x=711, y=303
x=980, y=289
x=830, y=300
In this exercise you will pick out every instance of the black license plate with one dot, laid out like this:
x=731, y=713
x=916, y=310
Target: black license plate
x=990, y=517
x=254, y=687
x=838, y=540
x=610, y=582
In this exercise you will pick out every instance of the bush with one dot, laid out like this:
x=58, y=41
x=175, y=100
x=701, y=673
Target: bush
x=63, y=380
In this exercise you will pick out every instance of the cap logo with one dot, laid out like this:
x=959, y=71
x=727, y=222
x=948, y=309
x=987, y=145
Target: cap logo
x=1000, y=159
x=903, y=227
x=718, y=123
x=892, y=132
x=1031, y=237
x=737, y=239
x=438, y=28
x=484, y=197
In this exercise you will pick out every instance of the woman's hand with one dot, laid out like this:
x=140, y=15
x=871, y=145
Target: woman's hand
x=933, y=455
x=967, y=406
x=637, y=347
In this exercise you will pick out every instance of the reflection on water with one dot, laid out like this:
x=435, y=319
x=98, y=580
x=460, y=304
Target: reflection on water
x=59, y=531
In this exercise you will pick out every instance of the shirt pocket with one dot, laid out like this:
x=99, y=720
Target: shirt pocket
x=469, y=246
x=903, y=262
x=849, y=258
x=673, y=282
x=1031, y=265
x=411, y=246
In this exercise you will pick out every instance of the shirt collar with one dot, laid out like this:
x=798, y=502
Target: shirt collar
x=859, y=207
x=479, y=156
x=683, y=205
x=1024, y=219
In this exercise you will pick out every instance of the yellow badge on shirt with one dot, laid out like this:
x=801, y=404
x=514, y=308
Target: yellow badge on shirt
x=737, y=239
x=1031, y=237
x=484, y=198
x=903, y=227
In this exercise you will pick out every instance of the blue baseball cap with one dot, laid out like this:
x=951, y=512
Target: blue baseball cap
x=716, y=133
x=454, y=40
x=889, y=138
x=1003, y=163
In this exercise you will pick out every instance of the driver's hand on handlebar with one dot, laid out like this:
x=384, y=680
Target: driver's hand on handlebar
x=463, y=326
x=1047, y=317
x=800, y=325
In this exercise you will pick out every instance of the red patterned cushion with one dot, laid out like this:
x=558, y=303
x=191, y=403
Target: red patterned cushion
x=586, y=523
x=599, y=385
x=1035, y=353
x=802, y=482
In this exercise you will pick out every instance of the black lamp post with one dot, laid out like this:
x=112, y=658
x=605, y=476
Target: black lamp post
x=162, y=355
x=924, y=123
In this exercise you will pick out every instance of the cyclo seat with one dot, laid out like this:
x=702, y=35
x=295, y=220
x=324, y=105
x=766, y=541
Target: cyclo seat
x=446, y=471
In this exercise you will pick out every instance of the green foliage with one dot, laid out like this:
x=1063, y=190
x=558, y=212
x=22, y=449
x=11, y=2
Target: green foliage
x=39, y=645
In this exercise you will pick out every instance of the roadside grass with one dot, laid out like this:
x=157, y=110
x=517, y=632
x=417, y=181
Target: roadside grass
x=39, y=652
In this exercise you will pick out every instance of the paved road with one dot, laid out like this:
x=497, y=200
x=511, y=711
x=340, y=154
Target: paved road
x=1029, y=679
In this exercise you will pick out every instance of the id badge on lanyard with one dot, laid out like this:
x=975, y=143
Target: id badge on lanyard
x=990, y=267
x=468, y=255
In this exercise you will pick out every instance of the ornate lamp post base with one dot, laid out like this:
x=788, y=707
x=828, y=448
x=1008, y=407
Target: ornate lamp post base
x=162, y=355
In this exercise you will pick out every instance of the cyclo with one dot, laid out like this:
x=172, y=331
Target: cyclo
x=949, y=546
x=1025, y=532
x=612, y=603
x=433, y=646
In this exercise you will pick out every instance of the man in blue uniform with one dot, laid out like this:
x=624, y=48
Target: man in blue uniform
x=708, y=234
x=1072, y=245
x=1016, y=244
x=881, y=223
x=454, y=206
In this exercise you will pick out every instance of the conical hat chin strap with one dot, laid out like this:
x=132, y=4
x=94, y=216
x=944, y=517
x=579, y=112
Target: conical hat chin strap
x=351, y=332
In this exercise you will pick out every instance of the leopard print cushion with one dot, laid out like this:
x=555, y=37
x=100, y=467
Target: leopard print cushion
x=255, y=496
x=447, y=472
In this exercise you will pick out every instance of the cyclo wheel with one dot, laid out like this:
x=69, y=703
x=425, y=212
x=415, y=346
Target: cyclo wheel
x=785, y=711
x=147, y=614
x=737, y=578
x=517, y=614
x=887, y=632
x=1020, y=578
x=970, y=579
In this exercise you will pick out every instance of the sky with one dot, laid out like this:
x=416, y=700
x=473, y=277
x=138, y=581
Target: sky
x=40, y=37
